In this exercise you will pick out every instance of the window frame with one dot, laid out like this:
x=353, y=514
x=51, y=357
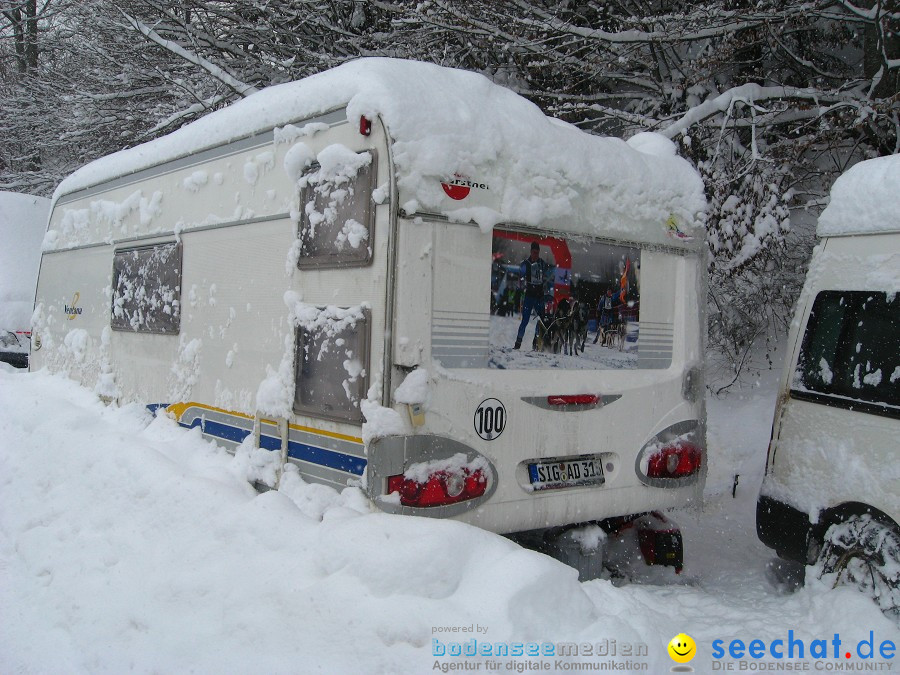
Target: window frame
x=339, y=260
x=363, y=328
x=116, y=273
x=831, y=398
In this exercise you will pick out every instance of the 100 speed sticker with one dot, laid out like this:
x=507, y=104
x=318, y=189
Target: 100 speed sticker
x=490, y=419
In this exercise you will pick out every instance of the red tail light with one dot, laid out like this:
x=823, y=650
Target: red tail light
x=675, y=460
x=579, y=399
x=365, y=126
x=440, y=489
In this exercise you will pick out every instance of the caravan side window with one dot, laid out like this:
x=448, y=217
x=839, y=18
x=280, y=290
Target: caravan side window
x=850, y=355
x=332, y=364
x=147, y=289
x=337, y=219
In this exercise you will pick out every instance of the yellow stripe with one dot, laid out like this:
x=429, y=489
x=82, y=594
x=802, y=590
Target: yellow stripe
x=178, y=409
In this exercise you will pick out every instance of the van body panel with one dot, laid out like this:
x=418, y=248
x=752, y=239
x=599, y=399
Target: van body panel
x=829, y=453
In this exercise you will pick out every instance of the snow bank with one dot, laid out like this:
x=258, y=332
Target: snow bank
x=451, y=124
x=23, y=219
x=864, y=199
x=129, y=544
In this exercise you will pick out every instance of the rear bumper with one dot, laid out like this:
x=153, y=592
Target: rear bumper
x=783, y=528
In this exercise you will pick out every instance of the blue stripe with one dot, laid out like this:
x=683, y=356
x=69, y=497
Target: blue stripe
x=153, y=407
x=302, y=451
x=219, y=430
x=329, y=458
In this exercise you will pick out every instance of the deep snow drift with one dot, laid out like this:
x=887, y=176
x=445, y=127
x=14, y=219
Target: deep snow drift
x=130, y=544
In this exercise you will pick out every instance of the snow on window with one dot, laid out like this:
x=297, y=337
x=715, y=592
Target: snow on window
x=331, y=365
x=872, y=379
x=336, y=206
x=851, y=341
x=825, y=371
x=147, y=289
x=297, y=160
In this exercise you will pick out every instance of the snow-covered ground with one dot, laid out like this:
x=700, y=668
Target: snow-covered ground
x=128, y=544
x=502, y=355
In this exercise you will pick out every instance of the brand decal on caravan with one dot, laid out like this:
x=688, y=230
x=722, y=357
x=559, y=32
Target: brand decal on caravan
x=459, y=187
x=673, y=229
x=73, y=310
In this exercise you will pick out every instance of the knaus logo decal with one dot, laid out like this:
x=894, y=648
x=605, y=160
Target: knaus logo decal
x=459, y=187
x=673, y=229
x=73, y=310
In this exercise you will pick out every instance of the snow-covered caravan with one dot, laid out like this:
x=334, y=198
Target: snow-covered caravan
x=338, y=264
x=832, y=477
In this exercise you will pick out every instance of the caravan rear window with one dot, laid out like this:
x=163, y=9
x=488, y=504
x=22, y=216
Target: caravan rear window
x=850, y=355
x=147, y=289
x=337, y=219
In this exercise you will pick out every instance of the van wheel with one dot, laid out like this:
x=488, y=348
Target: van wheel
x=863, y=552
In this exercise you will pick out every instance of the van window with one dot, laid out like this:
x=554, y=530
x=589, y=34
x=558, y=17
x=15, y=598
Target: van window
x=337, y=214
x=332, y=366
x=850, y=355
x=582, y=289
x=147, y=289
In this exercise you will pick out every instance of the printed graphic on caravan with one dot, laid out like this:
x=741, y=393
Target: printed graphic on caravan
x=340, y=269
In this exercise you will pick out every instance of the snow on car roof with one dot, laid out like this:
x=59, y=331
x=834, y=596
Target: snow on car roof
x=445, y=123
x=864, y=199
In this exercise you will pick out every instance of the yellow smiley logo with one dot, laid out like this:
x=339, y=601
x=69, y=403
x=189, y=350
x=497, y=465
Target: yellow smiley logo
x=682, y=648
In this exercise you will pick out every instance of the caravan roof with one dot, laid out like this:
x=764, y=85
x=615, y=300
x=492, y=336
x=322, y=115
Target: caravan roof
x=447, y=123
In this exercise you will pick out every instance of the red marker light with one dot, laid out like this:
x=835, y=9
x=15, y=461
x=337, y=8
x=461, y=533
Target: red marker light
x=365, y=126
x=575, y=399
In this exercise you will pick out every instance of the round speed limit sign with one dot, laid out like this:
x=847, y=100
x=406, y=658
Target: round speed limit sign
x=490, y=419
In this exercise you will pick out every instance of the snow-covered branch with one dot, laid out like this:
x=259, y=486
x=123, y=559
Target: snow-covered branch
x=225, y=78
x=749, y=94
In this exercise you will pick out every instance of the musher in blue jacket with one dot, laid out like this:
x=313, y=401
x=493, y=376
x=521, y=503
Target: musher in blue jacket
x=534, y=272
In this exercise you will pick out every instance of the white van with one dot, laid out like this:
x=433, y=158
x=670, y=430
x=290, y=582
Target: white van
x=317, y=264
x=23, y=220
x=832, y=486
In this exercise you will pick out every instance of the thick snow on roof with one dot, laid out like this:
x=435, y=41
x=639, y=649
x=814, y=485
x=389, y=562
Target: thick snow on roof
x=864, y=199
x=447, y=123
x=23, y=219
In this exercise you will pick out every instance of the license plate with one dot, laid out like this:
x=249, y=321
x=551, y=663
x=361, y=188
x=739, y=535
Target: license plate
x=563, y=473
